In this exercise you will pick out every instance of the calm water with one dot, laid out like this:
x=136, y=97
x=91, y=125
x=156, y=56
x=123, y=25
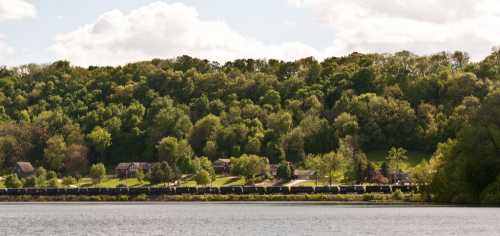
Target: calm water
x=244, y=219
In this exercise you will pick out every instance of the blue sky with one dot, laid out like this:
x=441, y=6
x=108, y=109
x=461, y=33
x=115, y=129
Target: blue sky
x=115, y=32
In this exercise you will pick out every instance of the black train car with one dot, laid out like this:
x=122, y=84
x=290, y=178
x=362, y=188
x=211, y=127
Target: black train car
x=207, y=190
x=93, y=191
x=33, y=191
x=73, y=191
x=404, y=188
x=277, y=190
x=351, y=189
x=378, y=189
x=185, y=190
x=137, y=191
x=231, y=190
x=254, y=190
x=302, y=189
x=161, y=191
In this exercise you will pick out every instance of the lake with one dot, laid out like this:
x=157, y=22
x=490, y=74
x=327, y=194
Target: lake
x=244, y=219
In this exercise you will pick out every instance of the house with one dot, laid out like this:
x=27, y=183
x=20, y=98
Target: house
x=129, y=169
x=24, y=169
x=304, y=174
x=400, y=177
x=222, y=166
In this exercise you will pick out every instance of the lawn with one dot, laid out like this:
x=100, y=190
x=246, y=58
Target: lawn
x=112, y=182
x=133, y=182
x=219, y=181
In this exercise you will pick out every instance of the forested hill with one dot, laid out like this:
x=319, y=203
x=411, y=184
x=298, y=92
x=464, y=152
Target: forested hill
x=280, y=110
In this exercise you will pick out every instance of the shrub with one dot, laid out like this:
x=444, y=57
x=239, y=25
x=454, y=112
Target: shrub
x=397, y=195
x=31, y=182
x=69, y=181
x=51, y=174
x=53, y=183
x=284, y=171
x=97, y=173
x=202, y=177
x=12, y=181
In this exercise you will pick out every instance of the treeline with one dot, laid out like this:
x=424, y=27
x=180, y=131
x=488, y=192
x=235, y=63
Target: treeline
x=65, y=117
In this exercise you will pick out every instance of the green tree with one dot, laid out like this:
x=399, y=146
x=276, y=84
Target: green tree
x=161, y=173
x=55, y=152
x=177, y=153
x=250, y=166
x=12, y=181
x=203, y=131
x=202, y=177
x=397, y=156
x=100, y=139
x=31, y=182
x=97, y=173
x=284, y=171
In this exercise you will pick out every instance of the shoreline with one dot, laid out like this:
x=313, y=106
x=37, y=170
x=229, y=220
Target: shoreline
x=340, y=198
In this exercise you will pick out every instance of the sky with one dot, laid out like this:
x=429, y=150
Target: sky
x=116, y=32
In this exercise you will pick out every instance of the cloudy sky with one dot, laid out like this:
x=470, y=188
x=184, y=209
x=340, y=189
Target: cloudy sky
x=113, y=32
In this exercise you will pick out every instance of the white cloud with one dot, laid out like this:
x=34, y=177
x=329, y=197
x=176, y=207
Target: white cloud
x=5, y=51
x=162, y=30
x=16, y=9
x=421, y=26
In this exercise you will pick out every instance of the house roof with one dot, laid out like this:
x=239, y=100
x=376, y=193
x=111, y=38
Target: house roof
x=122, y=166
x=138, y=165
x=222, y=161
x=304, y=172
x=25, y=167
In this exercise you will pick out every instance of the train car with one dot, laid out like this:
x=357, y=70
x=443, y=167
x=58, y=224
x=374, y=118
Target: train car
x=231, y=190
x=277, y=190
x=138, y=191
x=404, y=188
x=378, y=189
x=73, y=191
x=254, y=190
x=302, y=189
x=185, y=190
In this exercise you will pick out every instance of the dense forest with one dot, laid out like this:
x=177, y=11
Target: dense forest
x=65, y=117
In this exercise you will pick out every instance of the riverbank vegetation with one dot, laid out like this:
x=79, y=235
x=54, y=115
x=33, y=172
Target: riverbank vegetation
x=340, y=198
x=333, y=116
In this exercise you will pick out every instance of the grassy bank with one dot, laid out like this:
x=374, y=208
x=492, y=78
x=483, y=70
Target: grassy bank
x=372, y=198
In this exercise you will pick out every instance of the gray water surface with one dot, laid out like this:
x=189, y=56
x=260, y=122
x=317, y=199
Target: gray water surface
x=244, y=219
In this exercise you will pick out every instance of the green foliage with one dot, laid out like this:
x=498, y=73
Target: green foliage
x=202, y=177
x=329, y=164
x=100, y=138
x=162, y=173
x=177, y=153
x=55, y=152
x=395, y=156
x=53, y=183
x=66, y=117
x=284, y=171
x=139, y=175
x=31, y=182
x=69, y=180
x=250, y=166
x=97, y=172
x=12, y=181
